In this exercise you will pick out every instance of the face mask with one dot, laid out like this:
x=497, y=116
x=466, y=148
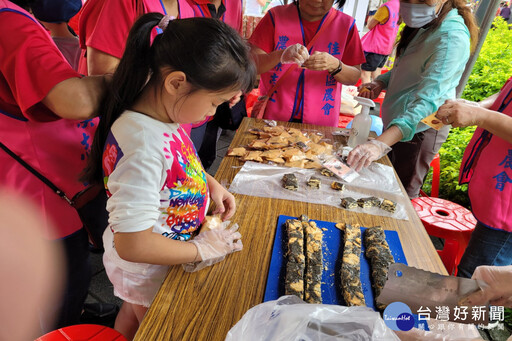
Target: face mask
x=417, y=15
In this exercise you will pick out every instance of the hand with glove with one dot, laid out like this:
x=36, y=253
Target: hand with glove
x=297, y=54
x=213, y=246
x=498, y=292
x=364, y=154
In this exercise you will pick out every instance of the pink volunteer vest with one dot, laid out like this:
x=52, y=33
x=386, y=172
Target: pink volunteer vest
x=321, y=93
x=382, y=37
x=487, y=167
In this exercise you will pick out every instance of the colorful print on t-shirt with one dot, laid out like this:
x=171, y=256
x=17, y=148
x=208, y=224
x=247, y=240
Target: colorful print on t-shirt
x=186, y=181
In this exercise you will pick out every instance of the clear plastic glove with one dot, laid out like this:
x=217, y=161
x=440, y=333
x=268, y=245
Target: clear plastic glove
x=297, y=54
x=498, y=292
x=213, y=246
x=364, y=154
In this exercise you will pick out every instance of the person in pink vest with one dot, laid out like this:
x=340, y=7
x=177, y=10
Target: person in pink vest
x=45, y=119
x=104, y=26
x=378, y=42
x=311, y=92
x=487, y=168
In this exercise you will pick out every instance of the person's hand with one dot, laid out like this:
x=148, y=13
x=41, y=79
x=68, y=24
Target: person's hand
x=235, y=99
x=225, y=204
x=297, y=54
x=370, y=90
x=459, y=113
x=498, y=292
x=320, y=61
x=363, y=155
x=213, y=246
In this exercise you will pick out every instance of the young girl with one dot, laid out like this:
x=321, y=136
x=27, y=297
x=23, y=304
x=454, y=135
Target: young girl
x=159, y=192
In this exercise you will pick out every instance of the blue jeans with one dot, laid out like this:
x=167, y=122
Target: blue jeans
x=486, y=247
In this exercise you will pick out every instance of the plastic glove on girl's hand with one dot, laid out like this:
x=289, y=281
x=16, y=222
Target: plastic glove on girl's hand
x=370, y=90
x=213, y=246
x=297, y=54
x=498, y=292
x=363, y=155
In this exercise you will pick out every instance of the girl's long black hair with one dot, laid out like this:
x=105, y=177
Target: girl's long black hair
x=212, y=55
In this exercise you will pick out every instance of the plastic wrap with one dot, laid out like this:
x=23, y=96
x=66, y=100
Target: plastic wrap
x=290, y=318
x=261, y=180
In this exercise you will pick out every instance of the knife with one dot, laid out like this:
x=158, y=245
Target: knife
x=427, y=291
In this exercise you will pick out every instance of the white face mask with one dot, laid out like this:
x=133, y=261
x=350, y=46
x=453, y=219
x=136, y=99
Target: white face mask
x=417, y=15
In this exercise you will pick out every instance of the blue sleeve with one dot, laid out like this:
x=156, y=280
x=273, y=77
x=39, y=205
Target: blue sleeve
x=441, y=74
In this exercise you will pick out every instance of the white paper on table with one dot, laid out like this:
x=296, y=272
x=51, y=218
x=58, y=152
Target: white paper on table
x=262, y=180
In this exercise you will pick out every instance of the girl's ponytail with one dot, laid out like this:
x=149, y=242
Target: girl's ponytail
x=127, y=83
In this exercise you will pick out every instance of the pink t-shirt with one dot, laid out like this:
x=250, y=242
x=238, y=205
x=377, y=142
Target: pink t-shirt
x=30, y=66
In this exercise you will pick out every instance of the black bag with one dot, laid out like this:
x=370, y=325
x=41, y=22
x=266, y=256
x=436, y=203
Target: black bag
x=90, y=203
x=230, y=118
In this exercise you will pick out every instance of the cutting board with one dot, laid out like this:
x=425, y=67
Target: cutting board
x=332, y=256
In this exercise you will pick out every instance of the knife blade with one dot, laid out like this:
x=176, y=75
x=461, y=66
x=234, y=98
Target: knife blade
x=425, y=290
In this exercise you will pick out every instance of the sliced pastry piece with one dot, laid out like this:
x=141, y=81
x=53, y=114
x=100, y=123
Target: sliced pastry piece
x=348, y=203
x=290, y=182
x=314, y=263
x=314, y=182
x=380, y=257
x=295, y=259
x=388, y=205
x=351, y=286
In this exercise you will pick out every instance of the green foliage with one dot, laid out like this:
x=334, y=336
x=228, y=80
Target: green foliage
x=451, y=156
x=508, y=318
x=494, y=64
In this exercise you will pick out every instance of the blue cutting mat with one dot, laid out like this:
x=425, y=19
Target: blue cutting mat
x=332, y=257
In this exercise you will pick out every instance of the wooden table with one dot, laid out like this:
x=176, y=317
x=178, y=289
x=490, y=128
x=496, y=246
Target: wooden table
x=206, y=304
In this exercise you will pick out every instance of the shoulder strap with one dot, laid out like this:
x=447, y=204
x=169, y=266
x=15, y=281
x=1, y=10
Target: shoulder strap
x=328, y=20
x=41, y=177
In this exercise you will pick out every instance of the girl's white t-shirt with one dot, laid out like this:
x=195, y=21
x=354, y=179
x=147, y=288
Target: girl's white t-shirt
x=154, y=178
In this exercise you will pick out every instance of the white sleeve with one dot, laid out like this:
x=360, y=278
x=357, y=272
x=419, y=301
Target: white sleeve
x=135, y=186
